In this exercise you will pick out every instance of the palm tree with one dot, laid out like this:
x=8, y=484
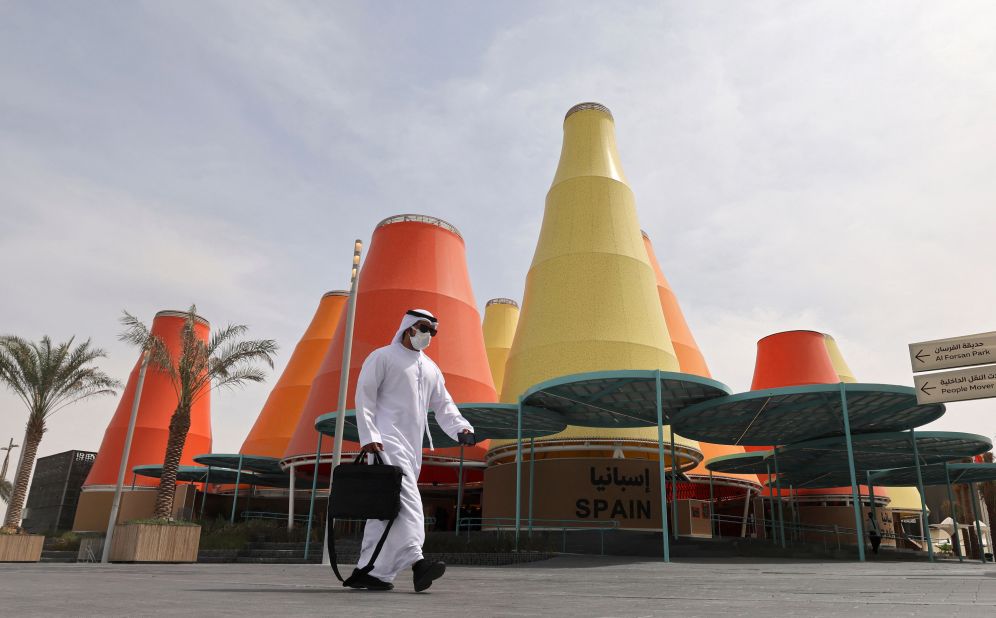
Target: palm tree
x=224, y=361
x=46, y=379
x=5, y=490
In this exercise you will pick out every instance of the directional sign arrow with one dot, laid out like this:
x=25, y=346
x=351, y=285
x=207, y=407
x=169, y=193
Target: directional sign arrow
x=920, y=356
x=926, y=389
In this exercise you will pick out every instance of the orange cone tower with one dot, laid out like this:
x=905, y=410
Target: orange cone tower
x=795, y=358
x=414, y=261
x=690, y=358
x=501, y=316
x=791, y=358
x=154, y=413
x=156, y=407
x=272, y=431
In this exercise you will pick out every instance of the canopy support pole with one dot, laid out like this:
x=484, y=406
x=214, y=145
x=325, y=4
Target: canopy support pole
x=743, y=521
x=290, y=498
x=954, y=514
x=871, y=497
x=674, y=484
x=314, y=487
x=924, y=522
x=781, y=511
x=978, y=528
x=767, y=505
x=518, y=473
x=712, y=508
x=855, y=498
x=204, y=496
x=459, y=505
x=235, y=498
x=660, y=463
x=532, y=478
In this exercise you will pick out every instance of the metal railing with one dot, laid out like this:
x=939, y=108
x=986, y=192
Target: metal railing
x=247, y=515
x=797, y=533
x=504, y=525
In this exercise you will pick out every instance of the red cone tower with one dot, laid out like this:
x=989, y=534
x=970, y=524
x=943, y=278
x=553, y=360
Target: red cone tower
x=148, y=446
x=415, y=261
x=154, y=413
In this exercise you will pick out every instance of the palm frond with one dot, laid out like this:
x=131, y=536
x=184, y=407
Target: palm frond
x=135, y=332
x=225, y=335
x=240, y=377
x=6, y=490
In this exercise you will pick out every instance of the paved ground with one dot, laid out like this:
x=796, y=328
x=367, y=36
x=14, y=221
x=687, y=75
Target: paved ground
x=565, y=586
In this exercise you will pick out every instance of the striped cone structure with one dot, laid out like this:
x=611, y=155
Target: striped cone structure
x=154, y=413
x=590, y=304
x=414, y=261
x=795, y=358
x=791, y=358
x=501, y=316
x=278, y=419
x=156, y=407
x=590, y=301
x=690, y=360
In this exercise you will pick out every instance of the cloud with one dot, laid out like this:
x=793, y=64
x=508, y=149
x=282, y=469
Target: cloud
x=797, y=165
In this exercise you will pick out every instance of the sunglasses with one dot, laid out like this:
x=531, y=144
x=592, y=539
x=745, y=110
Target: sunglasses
x=425, y=328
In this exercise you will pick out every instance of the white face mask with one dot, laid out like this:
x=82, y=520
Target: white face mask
x=420, y=341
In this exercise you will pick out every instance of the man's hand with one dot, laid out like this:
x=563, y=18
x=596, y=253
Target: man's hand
x=373, y=447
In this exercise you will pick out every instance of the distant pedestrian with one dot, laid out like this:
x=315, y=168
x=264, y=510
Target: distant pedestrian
x=873, y=533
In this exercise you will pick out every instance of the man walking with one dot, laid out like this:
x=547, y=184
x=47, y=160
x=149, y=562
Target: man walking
x=398, y=385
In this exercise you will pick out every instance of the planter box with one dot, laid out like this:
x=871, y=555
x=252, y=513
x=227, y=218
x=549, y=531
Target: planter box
x=155, y=543
x=21, y=547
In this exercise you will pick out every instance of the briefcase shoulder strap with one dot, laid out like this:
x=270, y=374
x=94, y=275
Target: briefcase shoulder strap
x=333, y=559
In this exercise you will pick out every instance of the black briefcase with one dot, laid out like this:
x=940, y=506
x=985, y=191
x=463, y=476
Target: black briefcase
x=362, y=491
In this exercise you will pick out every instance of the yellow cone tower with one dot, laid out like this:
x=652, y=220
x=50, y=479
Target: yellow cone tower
x=277, y=420
x=837, y=360
x=501, y=316
x=591, y=300
x=590, y=304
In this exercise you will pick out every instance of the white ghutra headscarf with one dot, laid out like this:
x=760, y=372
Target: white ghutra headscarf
x=413, y=317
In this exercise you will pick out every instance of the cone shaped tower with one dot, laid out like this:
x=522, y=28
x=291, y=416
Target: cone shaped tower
x=844, y=373
x=690, y=360
x=414, y=261
x=794, y=358
x=154, y=413
x=591, y=301
x=501, y=316
x=689, y=356
x=278, y=419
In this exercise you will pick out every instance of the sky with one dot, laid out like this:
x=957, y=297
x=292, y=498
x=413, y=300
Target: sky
x=815, y=165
